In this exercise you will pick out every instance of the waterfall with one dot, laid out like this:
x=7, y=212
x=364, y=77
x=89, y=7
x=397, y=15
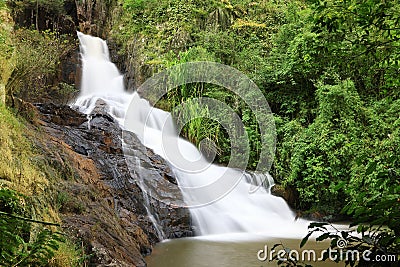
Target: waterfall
x=100, y=79
x=226, y=205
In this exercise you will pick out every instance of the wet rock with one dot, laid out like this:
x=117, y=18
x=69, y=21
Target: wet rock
x=70, y=68
x=324, y=217
x=289, y=194
x=61, y=115
x=107, y=208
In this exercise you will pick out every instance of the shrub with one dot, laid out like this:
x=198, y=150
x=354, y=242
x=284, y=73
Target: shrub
x=37, y=57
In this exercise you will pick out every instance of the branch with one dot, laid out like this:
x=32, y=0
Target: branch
x=27, y=220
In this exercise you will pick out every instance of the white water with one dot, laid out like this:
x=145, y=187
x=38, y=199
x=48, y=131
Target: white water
x=100, y=79
x=218, y=196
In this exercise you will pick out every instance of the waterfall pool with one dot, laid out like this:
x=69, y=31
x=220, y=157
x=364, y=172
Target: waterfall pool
x=200, y=252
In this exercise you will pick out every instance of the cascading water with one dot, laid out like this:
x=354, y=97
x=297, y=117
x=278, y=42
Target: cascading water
x=100, y=79
x=234, y=211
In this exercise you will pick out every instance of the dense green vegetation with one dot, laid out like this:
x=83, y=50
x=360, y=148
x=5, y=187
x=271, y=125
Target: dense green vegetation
x=330, y=72
x=37, y=57
x=16, y=247
x=6, y=48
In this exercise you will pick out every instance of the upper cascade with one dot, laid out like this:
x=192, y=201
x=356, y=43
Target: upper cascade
x=100, y=79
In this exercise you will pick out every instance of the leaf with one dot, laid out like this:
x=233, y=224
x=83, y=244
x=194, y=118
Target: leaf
x=368, y=239
x=371, y=167
x=340, y=185
x=392, y=159
x=323, y=237
x=305, y=239
x=317, y=224
x=360, y=229
x=345, y=234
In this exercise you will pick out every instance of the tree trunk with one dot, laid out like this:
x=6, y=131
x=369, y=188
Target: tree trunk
x=37, y=15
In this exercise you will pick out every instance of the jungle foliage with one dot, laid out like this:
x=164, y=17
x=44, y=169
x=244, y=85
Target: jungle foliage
x=330, y=72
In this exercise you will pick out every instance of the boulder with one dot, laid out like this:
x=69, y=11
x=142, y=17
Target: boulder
x=289, y=194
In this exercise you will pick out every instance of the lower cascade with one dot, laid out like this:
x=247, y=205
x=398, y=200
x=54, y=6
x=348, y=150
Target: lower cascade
x=218, y=206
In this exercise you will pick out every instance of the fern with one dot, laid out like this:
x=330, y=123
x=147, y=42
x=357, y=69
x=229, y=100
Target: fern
x=17, y=247
x=41, y=250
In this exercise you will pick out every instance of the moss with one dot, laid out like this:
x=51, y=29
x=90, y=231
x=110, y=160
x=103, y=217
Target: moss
x=17, y=153
x=26, y=172
x=6, y=48
x=240, y=23
x=68, y=255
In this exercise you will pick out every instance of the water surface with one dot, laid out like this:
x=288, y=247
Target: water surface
x=200, y=252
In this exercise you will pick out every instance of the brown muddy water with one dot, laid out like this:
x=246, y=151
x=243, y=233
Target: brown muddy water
x=201, y=252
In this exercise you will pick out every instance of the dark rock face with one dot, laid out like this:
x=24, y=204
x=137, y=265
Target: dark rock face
x=89, y=16
x=94, y=16
x=54, y=16
x=107, y=211
x=152, y=173
x=60, y=115
x=70, y=68
x=289, y=194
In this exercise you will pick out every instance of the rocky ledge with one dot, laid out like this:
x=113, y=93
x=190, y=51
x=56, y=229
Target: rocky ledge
x=291, y=196
x=100, y=199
